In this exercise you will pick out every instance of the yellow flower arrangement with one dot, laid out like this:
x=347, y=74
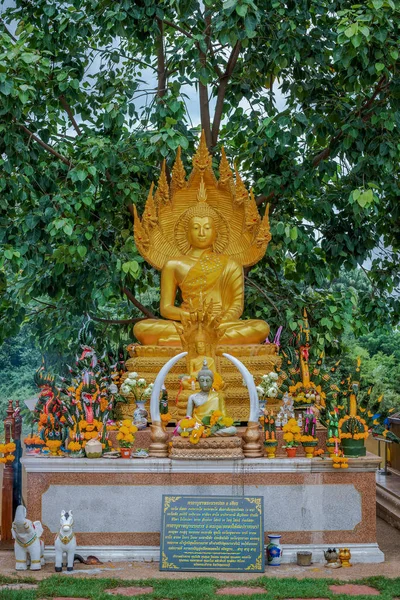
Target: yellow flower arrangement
x=187, y=423
x=185, y=433
x=291, y=433
x=215, y=416
x=165, y=418
x=340, y=462
x=7, y=451
x=307, y=438
x=74, y=446
x=33, y=440
x=53, y=444
x=196, y=435
x=125, y=434
x=227, y=421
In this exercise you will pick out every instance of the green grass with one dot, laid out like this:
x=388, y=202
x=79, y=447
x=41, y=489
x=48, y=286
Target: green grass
x=203, y=588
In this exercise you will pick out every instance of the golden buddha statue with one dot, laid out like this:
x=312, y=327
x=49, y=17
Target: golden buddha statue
x=201, y=233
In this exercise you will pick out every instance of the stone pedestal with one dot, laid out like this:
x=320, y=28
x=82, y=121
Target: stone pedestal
x=207, y=448
x=117, y=503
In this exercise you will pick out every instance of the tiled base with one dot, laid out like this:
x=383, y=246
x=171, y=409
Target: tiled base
x=116, y=503
x=360, y=553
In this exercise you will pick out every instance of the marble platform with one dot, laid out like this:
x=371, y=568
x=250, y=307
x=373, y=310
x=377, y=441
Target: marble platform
x=117, y=503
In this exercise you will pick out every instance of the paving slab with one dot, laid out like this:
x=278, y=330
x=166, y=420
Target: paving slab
x=129, y=591
x=388, y=539
x=240, y=591
x=18, y=586
x=353, y=589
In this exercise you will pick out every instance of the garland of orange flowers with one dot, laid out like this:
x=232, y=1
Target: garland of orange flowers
x=7, y=451
x=340, y=462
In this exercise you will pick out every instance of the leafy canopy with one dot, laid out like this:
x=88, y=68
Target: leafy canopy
x=94, y=94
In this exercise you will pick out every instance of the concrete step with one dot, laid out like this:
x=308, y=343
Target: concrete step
x=388, y=499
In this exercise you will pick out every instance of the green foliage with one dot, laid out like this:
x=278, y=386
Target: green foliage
x=18, y=361
x=92, y=97
x=199, y=588
x=380, y=366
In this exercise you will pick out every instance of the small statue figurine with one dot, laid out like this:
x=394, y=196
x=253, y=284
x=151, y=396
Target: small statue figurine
x=65, y=542
x=332, y=559
x=28, y=547
x=203, y=403
x=345, y=556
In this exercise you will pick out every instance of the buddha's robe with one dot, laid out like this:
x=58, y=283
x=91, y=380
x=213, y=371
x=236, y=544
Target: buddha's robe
x=213, y=277
x=214, y=401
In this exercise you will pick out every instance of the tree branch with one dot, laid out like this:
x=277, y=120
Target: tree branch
x=8, y=32
x=174, y=26
x=203, y=93
x=224, y=80
x=161, y=69
x=45, y=303
x=46, y=146
x=116, y=321
x=138, y=304
x=69, y=112
x=257, y=287
x=382, y=84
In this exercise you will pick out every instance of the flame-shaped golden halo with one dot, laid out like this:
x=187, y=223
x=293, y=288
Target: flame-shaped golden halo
x=162, y=233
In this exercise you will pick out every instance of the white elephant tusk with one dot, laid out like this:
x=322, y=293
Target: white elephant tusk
x=251, y=386
x=155, y=393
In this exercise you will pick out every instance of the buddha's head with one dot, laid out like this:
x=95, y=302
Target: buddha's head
x=205, y=378
x=201, y=226
x=202, y=232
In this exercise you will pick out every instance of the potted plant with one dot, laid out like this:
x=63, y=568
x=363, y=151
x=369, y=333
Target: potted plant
x=126, y=437
x=75, y=449
x=137, y=387
x=270, y=441
x=54, y=447
x=33, y=444
x=291, y=435
x=267, y=388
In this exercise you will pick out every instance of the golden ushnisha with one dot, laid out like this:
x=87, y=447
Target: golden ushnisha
x=200, y=233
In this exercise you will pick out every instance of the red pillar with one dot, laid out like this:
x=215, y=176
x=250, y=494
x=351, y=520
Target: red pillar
x=7, y=490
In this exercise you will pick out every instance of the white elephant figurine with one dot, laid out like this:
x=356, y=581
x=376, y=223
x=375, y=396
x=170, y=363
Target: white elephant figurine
x=28, y=547
x=65, y=542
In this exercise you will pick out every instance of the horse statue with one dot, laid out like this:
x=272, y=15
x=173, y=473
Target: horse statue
x=28, y=547
x=65, y=542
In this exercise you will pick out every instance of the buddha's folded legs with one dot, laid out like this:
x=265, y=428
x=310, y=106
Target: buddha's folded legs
x=159, y=332
x=156, y=332
x=251, y=331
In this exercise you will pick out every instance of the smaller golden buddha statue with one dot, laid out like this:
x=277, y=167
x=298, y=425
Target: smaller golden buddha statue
x=199, y=334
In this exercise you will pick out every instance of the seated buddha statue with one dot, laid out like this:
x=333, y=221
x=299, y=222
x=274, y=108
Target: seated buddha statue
x=201, y=404
x=201, y=233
